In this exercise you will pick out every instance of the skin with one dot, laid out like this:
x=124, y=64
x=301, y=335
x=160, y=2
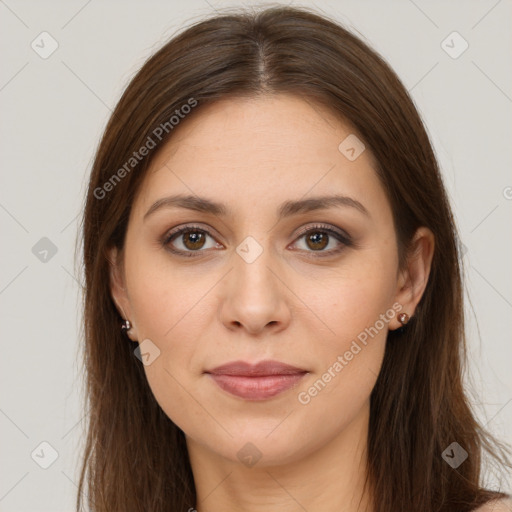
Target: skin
x=290, y=304
x=502, y=505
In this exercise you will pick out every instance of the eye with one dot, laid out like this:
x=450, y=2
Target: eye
x=188, y=240
x=317, y=238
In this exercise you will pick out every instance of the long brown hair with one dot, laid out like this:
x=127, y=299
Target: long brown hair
x=135, y=457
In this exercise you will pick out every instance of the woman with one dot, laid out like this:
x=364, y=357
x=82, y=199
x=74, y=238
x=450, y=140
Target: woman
x=266, y=222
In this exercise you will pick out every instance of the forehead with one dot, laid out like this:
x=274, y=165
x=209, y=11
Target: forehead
x=265, y=149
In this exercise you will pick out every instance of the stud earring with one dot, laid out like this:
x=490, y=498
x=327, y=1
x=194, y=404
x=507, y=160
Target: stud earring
x=126, y=326
x=403, y=318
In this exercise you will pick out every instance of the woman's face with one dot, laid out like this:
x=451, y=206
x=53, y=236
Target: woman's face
x=268, y=275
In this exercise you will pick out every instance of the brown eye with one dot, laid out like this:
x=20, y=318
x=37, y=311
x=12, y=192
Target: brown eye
x=317, y=240
x=190, y=240
x=193, y=240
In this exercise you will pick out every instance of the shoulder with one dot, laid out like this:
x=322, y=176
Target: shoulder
x=501, y=505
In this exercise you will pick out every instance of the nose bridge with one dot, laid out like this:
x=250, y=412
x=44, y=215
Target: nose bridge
x=254, y=296
x=253, y=261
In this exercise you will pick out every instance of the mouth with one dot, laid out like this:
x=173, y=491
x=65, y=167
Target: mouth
x=261, y=381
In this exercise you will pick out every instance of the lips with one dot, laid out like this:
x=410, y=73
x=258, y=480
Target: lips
x=260, y=381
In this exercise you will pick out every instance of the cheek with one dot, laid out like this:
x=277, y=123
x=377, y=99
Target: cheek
x=356, y=304
x=358, y=316
x=339, y=396
x=163, y=296
x=171, y=308
x=348, y=361
x=176, y=320
x=170, y=317
x=352, y=298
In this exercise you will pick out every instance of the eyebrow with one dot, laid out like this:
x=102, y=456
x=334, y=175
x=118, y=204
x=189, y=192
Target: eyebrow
x=287, y=209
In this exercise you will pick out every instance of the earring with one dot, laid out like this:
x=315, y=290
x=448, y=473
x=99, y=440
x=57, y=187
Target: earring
x=403, y=318
x=126, y=326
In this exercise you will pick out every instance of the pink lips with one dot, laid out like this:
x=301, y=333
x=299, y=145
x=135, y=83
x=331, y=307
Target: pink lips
x=256, y=382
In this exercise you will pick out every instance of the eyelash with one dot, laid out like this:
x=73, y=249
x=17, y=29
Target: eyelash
x=326, y=229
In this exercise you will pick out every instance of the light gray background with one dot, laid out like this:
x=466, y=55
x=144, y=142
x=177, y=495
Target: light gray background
x=54, y=111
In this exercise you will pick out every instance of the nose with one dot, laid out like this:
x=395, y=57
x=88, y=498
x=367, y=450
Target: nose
x=255, y=297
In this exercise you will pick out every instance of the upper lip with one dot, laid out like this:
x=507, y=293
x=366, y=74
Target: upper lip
x=259, y=369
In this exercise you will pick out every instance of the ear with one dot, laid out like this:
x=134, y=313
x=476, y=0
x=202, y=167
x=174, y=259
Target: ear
x=118, y=289
x=413, y=280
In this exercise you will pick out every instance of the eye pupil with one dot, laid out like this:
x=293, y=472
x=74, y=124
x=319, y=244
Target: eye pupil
x=318, y=239
x=196, y=238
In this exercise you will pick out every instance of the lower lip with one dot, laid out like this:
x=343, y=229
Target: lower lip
x=256, y=388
